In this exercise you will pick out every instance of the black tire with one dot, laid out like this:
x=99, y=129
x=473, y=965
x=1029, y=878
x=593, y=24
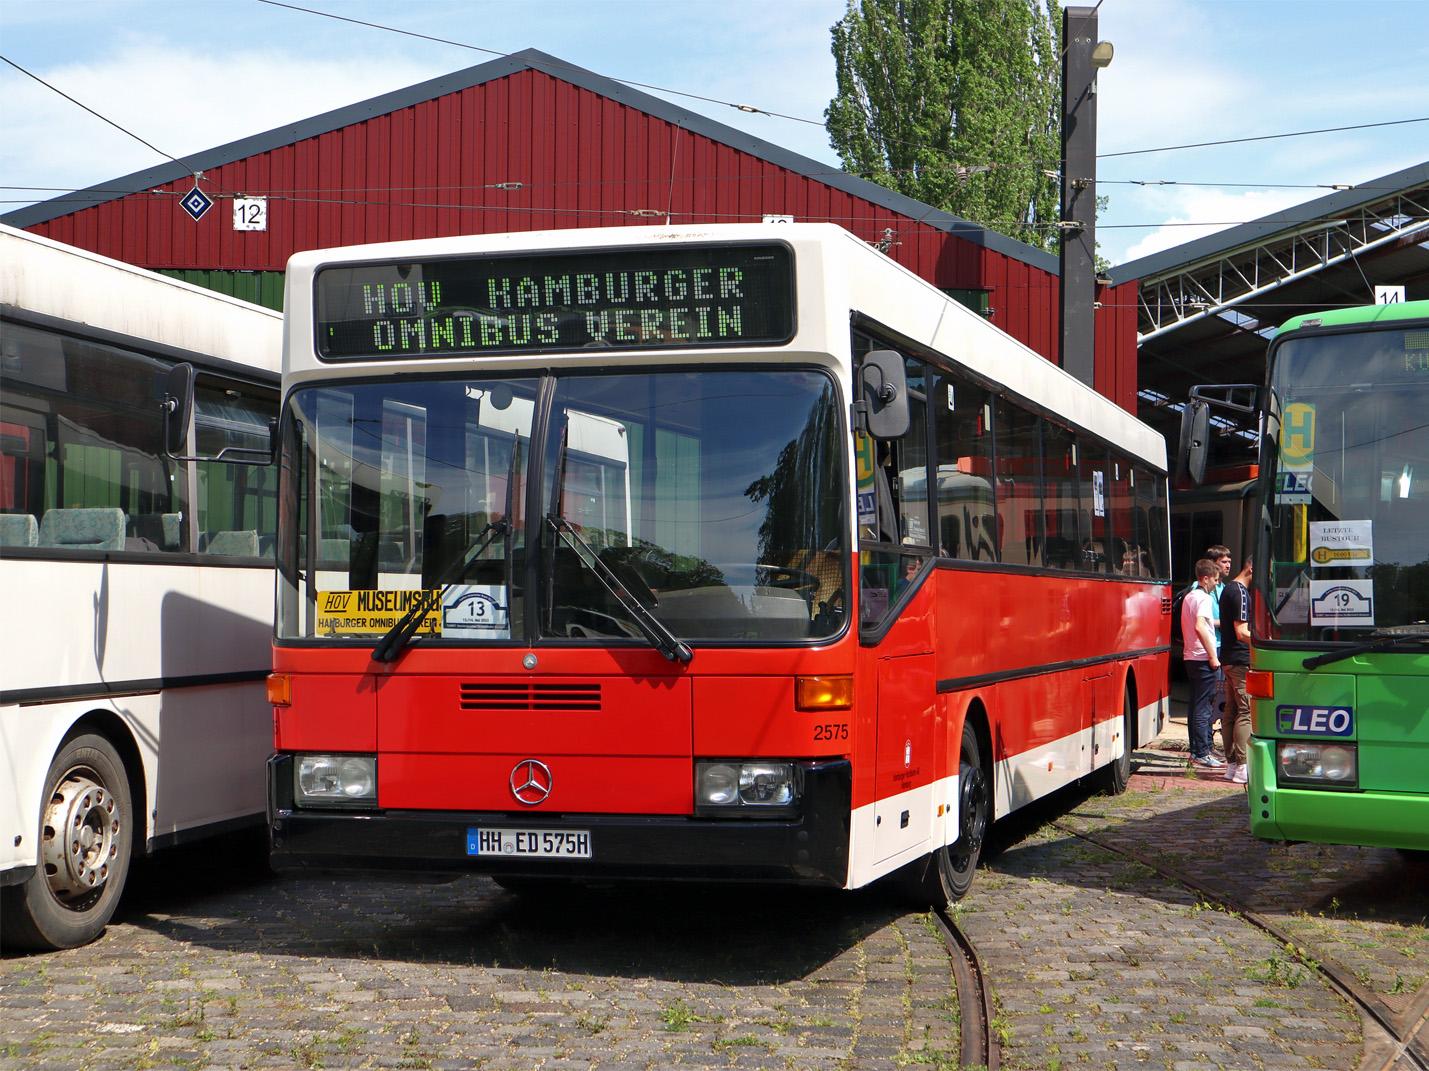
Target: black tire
x=1113, y=777
x=946, y=874
x=84, y=851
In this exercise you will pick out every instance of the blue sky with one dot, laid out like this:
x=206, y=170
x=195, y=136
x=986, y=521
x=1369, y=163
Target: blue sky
x=194, y=74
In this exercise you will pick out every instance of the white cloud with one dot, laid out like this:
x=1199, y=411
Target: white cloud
x=175, y=98
x=1194, y=212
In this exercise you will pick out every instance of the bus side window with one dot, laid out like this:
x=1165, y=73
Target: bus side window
x=964, y=501
x=95, y=445
x=1019, y=488
x=900, y=501
x=1125, y=548
x=235, y=499
x=910, y=472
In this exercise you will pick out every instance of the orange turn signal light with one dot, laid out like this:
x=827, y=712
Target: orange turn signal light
x=823, y=693
x=1260, y=683
x=280, y=689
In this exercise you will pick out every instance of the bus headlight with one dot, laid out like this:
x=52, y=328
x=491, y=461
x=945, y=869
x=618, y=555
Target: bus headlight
x=330, y=779
x=1332, y=765
x=746, y=788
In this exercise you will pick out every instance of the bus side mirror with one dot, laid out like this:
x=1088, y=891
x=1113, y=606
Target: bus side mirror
x=1195, y=437
x=885, y=394
x=178, y=409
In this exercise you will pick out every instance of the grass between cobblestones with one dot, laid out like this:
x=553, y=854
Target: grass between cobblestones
x=1096, y=962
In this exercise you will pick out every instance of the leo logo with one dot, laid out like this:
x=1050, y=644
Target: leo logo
x=1297, y=434
x=336, y=602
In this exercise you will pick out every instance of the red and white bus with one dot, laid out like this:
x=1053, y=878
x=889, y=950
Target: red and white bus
x=715, y=553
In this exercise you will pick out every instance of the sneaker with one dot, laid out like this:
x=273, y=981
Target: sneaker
x=1242, y=774
x=1207, y=762
x=1232, y=768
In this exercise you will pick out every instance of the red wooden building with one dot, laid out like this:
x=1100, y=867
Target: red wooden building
x=528, y=142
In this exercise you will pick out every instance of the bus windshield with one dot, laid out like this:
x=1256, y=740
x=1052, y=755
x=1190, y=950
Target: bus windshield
x=1350, y=501
x=712, y=499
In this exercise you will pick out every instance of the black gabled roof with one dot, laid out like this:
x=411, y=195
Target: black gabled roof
x=500, y=68
x=1259, y=231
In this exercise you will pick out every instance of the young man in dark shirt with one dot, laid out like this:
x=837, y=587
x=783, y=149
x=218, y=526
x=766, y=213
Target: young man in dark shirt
x=1235, y=659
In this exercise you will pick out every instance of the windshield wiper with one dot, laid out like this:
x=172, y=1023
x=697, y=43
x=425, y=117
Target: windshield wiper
x=395, y=641
x=1385, y=643
x=660, y=637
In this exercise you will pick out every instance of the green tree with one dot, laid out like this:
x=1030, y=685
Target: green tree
x=956, y=103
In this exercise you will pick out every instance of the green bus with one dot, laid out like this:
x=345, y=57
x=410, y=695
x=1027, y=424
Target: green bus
x=1339, y=677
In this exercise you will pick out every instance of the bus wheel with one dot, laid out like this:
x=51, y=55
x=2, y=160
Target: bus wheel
x=85, y=843
x=947, y=873
x=1115, y=774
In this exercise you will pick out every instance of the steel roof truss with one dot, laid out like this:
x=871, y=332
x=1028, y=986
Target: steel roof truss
x=1209, y=288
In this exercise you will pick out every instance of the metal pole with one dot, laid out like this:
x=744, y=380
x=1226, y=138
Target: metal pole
x=1077, y=258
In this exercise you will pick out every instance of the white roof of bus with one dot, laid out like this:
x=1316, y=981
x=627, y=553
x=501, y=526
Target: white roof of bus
x=43, y=276
x=851, y=274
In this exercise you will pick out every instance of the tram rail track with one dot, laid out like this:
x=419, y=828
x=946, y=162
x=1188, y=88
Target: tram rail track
x=1408, y=1041
x=979, y=1044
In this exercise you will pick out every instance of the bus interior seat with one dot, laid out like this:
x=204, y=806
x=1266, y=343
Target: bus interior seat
x=99, y=528
x=237, y=543
x=19, y=530
x=162, y=530
x=336, y=551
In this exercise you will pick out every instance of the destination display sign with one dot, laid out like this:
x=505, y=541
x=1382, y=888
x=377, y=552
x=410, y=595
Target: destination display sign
x=668, y=297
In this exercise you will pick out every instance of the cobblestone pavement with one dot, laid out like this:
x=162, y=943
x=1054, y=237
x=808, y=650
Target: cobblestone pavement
x=1099, y=962
x=1095, y=961
x=324, y=974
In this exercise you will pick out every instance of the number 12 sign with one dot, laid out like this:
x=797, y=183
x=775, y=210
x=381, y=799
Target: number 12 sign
x=250, y=213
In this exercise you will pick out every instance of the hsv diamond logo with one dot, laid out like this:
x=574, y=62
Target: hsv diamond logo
x=530, y=782
x=196, y=203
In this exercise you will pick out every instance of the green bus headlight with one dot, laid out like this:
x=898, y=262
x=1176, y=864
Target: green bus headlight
x=1329, y=764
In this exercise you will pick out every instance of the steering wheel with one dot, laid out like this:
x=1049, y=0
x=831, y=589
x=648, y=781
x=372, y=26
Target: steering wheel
x=783, y=576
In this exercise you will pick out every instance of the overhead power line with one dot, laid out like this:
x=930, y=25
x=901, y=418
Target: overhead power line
x=876, y=221
x=91, y=111
x=800, y=119
x=556, y=66
x=968, y=169
x=1264, y=137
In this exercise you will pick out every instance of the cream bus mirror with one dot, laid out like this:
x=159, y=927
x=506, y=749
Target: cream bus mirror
x=885, y=394
x=178, y=410
x=1195, y=438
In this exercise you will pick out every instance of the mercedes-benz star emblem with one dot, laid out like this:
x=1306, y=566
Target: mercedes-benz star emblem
x=530, y=782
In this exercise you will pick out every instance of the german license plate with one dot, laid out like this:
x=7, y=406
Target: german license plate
x=529, y=843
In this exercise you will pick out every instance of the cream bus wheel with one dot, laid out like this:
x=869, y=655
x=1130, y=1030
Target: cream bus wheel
x=86, y=837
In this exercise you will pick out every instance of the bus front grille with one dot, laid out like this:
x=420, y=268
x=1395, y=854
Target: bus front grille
x=529, y=696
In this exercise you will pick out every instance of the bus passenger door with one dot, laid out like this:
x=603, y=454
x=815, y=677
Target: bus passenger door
x=1101, y=731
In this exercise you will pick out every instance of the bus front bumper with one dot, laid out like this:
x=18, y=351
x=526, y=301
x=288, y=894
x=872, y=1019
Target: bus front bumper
x=810, y=849
x=1371, y=819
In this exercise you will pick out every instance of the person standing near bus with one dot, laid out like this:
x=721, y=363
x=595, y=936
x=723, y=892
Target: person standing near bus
x=1235, y=658
x=1221, y=555
x=1202, y=661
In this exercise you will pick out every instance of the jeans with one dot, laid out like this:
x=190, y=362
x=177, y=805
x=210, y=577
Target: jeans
x=1235, y=725
x=1202, y=679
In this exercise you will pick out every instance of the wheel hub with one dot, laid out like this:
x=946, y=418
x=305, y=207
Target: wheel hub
x=80, y=838
x=974, y=809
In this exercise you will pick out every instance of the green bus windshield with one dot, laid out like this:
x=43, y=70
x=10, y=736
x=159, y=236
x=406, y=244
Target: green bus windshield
x=1349, y=506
